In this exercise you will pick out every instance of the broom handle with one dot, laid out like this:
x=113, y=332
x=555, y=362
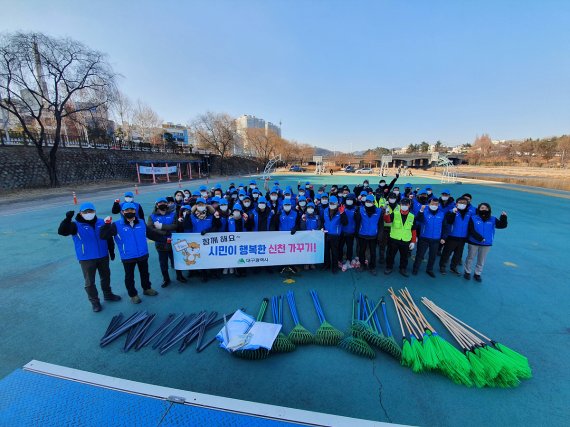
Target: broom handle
x=372, y=312
x=442, y=313
x=404, y=317
x=463, y=323
x=388, y=329
x=417, y=309
x=460, y=334
x=399, y=319
x=406, y=312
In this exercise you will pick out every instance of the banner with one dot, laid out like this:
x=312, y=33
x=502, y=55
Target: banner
x=148, y=170
x=193, y=251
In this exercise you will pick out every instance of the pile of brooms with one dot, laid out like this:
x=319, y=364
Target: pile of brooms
x=483, y=362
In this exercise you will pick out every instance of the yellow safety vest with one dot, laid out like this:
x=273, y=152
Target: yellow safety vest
x=402, y=231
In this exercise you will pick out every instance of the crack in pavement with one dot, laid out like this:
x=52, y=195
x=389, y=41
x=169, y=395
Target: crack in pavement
x=380, y=392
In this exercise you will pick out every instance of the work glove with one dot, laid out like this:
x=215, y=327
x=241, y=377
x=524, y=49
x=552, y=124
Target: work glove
x=216, y=214
x=181, y=219
x=203, y=233
x=412, y=246
x=108, y=220
x=69, y=214
x=442, y=241
x=341, y=209
x=117, y=200
x=157, y=225
x=112, y=256
x=169, y=240
x=293, y=231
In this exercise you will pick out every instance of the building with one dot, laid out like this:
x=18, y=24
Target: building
x=179, y=133
x=245, y=122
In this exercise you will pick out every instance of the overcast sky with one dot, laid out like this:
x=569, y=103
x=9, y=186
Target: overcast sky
x=337, y=74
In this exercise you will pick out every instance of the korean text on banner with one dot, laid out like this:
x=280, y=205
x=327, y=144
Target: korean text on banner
x=157, y=170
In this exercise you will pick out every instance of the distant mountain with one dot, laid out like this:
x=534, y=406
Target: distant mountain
x=323, y=152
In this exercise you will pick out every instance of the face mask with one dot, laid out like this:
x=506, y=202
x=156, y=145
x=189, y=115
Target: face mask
x=366, y=184
x=310, y=210
x=392, y=201
x=368, y=204
x=484, y=214
x=307, y=186
x=333, y=206
x=445, y=198
x=461, y=206
x=234, y=196
x=302, y=203
x=88, y=216
x=187, y=195
x=252, y=186
x=324, y=202
x=301, y=193
x=255, y=195
x=273, y=197
x=382, y=184
x=241, y=197
x=404, y=208
x=223, y=208
x=178, y=198
x=287, y=208
x=218, y=194
x=261, y=206
x=422, y=199
x=429, y=192
x=237, y=215
x=349, y=202
x=128, y=199
x=204, y=194
x=161, y=207
x=129, y=215
x=240, y=187
x=247, y=204
x=433, y=208
x=287, y=197
x=201, y=208
x=396, y=192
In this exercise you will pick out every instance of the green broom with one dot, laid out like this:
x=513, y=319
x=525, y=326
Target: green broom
x=258, y=353
x=375, y=336
x=411, y=348
x=326, y=334
x=282, y=344
x=353, y=342
x=298, y=335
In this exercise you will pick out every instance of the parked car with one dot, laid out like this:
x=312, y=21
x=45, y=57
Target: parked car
x=364, y=170
x=349, y=169
x=297, y=168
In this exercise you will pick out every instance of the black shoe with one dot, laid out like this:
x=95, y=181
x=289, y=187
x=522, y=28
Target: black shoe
x=404, y=272
x=388, y=271
x=165, y=283
x=454, y=270
x=477, y=278
x=181, y=278
x=431, y=274
x=467, y=276
x=96, y=306
x=112, y=297
x=442, y=270
x=414, y=272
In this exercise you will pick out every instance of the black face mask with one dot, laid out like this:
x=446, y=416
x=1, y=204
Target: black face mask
x=129, y=215
x=162, y=207
x=485, y=214
x=422, y=199
x=407, y=190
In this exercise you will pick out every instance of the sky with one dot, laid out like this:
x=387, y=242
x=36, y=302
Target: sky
x=343, y=75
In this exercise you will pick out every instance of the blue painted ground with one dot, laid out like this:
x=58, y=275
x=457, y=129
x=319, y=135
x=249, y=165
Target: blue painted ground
x=523, y=302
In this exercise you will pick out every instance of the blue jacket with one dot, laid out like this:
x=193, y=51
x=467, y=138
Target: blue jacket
x=232, y=227
x=431, y=224
x=311, y=222
x=460, y=227
x=332, y=225
x=350, y=228
x=166, y=219
x=287, y=222
x=369, y=224
x=134, y=203
x=131, y=241
x=199, y=225
x=257, y=216
x=88, y=244
x=485, y=228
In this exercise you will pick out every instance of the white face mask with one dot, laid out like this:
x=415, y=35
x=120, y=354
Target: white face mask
x=404, y=208
x=178, y=198
x=369, y=204
x=461, y=206
x=201, y=208
x=241, y=197
x=349, y=202
x=310, y=210
x=237, y=215
x=302, y=203
x=261, y=206
x=429, y=192
x=333, y=206
x=255, y=195
x=88, y=216
x=301, y=193
x=234, y=196
x=396, y=192
x=218, y=194
x=187, y=195
x=204, y=193
x=247, y=204
x=273, y=197
x=128, y=199
x=433, y=208
x=444, y=198
x=223, y=208
x=392, y=200
x=324, y=202
x=252, y=186
x=287, y=208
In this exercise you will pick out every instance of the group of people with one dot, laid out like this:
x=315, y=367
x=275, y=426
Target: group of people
x=358, y=224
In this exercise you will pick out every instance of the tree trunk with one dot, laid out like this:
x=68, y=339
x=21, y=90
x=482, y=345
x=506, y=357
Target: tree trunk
x=221, y=165
x=52, y=165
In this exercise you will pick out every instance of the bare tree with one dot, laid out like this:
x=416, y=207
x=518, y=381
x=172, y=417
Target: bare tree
x=45, y=80
x=122, y=110
x=262, y=144
x=146, y=122
x=563, y=148
x=215, y=132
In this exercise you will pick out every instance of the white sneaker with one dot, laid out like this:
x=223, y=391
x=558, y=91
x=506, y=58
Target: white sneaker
x=231, y=271
x=225, y=271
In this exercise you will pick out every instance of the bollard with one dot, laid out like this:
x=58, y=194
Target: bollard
x=136, y=189
x=74, y=198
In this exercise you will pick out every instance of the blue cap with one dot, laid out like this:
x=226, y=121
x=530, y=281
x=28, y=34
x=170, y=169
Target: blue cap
x=422, y=192
x=196, y=193
x=129, y=194
x=287, y=202
x=237, y=207
x=216, y=199
x=218, y=186
x=162, y=199
x=446, y=191
x=429, y=188
x=252, y=182
x=302, y=198
x=274, y=190
x=87, y=206
x=201, y=200
x=363, y=193
x=351, y=196
x=325, y=195
x=310, y=205
x=203, y=188
x=241, y=184
x=129, y=206
x=408, y=185
x=369, y=198
x=276, y=183
x=262, y=200
x=333, y=199
x=187, y=207
x=223, y=201
x=307, y=183
x=256, y=191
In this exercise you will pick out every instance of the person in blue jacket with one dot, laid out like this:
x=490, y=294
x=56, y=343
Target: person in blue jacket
x=260, y=217
x=224, y=214
x=247, y=204
x=481, y=236
x=128, y=198
x=369, y=228
x=164, y=222
x=348, y=230
x=92, y=252
x=431, y=224
x=333, y=220
x=446, y=202
x=310, y=221
x=455, y=236
x=287, y=219
x=237, y=222
x=203, y=219
x=130, y=234
x=301, y=205
x=255, y=195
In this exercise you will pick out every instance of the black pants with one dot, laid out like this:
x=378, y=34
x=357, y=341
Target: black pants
x=129, y=266
x=455, y=247
x=163, y=258
x=89, y=268
x=332, y=246
x=394, y=247
x=425, y=245
x=369, y=244
x=383, y=244
x=348, y=241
